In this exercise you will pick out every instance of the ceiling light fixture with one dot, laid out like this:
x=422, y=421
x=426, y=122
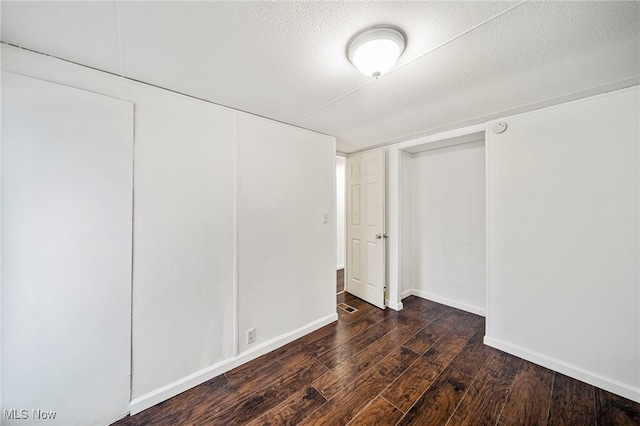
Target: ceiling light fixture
x=375, y=50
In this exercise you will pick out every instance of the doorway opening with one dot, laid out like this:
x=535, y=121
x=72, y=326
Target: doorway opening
x=340, y=281
x=442, y=221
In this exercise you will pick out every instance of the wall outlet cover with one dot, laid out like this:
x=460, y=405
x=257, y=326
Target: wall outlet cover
x=251, y=335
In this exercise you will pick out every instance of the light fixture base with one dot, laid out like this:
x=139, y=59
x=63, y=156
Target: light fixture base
x=376, y=49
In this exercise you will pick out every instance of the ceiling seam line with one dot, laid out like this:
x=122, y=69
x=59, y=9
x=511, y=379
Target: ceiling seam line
x=502, y=113
x=475, y=27
x=165, y=89
x=462, y=34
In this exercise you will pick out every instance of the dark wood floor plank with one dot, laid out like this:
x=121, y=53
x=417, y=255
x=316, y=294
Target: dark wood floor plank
x=468, y=324
x=428, y=311
x=340, y=377
x=484, y=401
x=472, y=356
x=379, y=412
x=439, y=402
x=615, y=410
x=422, y=341
x=181, y=408
x=375, y=353
x=260, y=402
x=330, y=335
x=301, y=355
x=214, y=396
x=363, y=308
x=326, y=332
x=243, y=385
x=346, y=372
x=293, y=410
x=411, y=384
x=412, y=302
x=500, y=369
x=481, y=405
x=572, y=403
x=347, y=403
x=346, y=350
x=529, y=397
x=339, y=280
x=254, y=374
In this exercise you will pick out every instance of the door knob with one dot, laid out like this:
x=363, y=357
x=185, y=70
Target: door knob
x=379, y=236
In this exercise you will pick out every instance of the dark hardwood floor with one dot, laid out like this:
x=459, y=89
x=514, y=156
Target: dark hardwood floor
x=424, y=365
x=340, y=281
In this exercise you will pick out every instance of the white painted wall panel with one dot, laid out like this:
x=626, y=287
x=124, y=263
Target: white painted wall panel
x=184, y=232
x=184, y=229
x=183, y=236
x=448, y=226
x=67, y=193
x=286, y=255
x=563, y=188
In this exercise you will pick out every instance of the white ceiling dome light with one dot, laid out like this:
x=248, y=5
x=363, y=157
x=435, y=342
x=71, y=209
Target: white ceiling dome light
x=375, y=50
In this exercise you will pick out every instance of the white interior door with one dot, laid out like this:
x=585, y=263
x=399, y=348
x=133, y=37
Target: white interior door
x=365, y=269
x=67, y=170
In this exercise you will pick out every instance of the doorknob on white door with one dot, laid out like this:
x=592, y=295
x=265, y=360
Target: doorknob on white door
x=379, y=236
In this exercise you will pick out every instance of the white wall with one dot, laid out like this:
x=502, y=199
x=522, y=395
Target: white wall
x=563, y=239
x=448, y=226
x=185, y=233
x=67, y=208
x=340, y=211
x=286, y=263
x=406, y=219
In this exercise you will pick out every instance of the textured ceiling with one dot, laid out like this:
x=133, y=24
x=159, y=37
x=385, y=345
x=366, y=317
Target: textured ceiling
x=465, y=62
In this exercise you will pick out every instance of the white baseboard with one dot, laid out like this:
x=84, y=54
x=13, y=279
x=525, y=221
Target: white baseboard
x=172, y=389
x=449, y=302
x=339, y=267
x=393, y=305
x=611, y=385
x=406, y=294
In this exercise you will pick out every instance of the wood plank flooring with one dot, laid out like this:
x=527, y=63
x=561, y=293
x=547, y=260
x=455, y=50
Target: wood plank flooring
x=424, y=365
x=340, y=281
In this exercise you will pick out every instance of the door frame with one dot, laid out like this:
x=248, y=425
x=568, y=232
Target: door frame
x=394, y=183
x=394, y=200
x=342, y=214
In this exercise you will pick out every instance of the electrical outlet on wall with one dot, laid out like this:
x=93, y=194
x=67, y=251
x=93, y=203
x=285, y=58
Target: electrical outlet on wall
x=251, y=335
